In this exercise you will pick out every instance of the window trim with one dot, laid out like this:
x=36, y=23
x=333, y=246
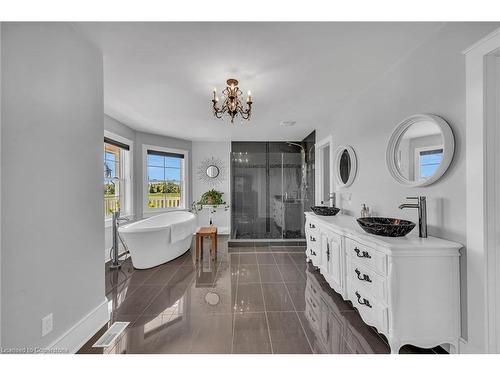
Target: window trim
x=184, y=176
x=128, y=166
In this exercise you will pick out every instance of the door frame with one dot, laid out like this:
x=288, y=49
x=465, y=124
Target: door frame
x=483, y=196
x=320, y=162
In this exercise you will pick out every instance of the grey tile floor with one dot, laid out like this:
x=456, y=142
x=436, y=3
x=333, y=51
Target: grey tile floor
x=260, y=306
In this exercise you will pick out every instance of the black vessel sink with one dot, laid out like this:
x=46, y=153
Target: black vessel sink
x=325, y=211
x=385, y=226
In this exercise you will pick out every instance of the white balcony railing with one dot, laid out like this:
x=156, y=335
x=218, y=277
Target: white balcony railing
x=162, y=201
x=112, y=203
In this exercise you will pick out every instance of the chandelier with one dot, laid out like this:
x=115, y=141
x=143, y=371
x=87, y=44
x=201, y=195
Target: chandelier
x=232, y=105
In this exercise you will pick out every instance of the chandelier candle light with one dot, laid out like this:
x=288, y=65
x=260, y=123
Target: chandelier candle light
x=232, y=104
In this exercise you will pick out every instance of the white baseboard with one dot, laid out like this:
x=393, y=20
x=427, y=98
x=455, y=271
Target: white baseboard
x=74, y=338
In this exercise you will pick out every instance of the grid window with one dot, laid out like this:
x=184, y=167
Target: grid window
x=165, y=173
x=113, y=181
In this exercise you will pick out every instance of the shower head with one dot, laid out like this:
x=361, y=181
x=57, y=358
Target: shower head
x=296, y=144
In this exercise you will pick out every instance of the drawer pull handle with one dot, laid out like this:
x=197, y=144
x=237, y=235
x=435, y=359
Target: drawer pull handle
x=365, y=277
x=363, y=301
x=312, y=226
x=312, y=252
x=312, y=239
x=364, y=254
x=327, y=252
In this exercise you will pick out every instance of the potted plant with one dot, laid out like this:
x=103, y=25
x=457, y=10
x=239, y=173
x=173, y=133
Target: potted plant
x=212, y=198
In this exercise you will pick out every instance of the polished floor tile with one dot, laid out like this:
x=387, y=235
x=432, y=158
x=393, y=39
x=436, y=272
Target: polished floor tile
x=265, y=258
x=297, y=294
x=245, y=249
x=276, y=297
x=137, y=302
x=290, y=273
x=250, y=258
x=287, y=335
x=270, y=273
x=251, y=334
x=249, y=300
x=298, y=258
x=248, y=273
x=283, y=258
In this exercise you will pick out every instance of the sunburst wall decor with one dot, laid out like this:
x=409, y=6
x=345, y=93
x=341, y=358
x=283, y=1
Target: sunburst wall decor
x=212, y=171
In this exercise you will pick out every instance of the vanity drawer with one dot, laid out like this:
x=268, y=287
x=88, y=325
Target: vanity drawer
x=312, y=317
x=311, y=227
x=366, y=256
x=313, y=289
x=367, y=281
x=372, y=312
x=313, y=304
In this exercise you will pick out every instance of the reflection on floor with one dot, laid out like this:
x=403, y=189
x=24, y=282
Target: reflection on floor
x=269, y=301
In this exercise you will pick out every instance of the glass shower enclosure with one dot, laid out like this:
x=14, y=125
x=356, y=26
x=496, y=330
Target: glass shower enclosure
x=271, y=188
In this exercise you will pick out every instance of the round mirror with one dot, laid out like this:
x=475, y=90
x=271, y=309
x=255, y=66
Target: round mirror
x=212, y=171
x=420, y=150
x=345, y=165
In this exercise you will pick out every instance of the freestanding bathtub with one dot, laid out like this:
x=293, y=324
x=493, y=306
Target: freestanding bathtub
x=159, y=239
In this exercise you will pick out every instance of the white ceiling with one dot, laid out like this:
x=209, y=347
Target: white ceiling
x=159, y=77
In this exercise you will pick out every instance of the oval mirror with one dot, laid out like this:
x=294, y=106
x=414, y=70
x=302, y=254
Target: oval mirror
x=345, y=166
x=212, y=171
x=420, y=150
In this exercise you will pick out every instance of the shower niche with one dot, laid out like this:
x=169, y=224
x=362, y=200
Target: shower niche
x=272, y=185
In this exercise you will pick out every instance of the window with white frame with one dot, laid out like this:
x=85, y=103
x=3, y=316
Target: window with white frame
x=165, y=178
x=117, y=177
x=429, y=161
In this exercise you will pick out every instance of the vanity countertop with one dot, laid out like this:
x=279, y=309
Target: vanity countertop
x=348, y=226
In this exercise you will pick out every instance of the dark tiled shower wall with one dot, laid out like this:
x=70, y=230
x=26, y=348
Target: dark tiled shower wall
x=262, y=171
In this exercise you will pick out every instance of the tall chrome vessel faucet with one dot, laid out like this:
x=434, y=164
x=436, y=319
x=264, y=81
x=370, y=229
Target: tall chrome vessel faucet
x=421, y=206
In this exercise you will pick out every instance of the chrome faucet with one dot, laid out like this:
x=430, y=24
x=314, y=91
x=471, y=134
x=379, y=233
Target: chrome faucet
x=421, y=206
x=332, y=199
x=115, y=258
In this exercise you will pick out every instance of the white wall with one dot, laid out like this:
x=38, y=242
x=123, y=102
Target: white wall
x=0, y=185
x=430, y=80
x=217, y=150
x=52, y=129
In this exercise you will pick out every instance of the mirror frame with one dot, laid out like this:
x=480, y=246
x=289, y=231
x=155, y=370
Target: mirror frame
x=213, y=166
x=448, y=149
x=354, y=165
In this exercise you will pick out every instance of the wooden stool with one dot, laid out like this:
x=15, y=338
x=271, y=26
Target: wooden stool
x=206, y=232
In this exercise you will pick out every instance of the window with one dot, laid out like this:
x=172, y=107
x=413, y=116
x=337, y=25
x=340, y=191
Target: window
x=165, y=179
x=429, y=161
x=117, y=189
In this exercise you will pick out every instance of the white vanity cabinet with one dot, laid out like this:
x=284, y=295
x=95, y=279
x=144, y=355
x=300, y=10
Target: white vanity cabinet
x=313, y=250
x=406, y=287
x=332, y=258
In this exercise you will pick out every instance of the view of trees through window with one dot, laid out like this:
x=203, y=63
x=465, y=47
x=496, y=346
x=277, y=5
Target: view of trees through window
x=164, y=180
x=112, y=178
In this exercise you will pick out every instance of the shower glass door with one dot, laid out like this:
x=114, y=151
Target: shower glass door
x=267, y=191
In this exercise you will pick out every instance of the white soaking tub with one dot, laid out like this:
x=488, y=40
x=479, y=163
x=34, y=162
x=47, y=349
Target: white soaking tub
x=159, y=239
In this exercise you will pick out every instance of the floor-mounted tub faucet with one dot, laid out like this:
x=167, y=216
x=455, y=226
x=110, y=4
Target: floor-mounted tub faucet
x=421, y=206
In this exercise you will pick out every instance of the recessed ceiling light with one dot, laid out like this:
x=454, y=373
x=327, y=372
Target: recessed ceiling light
x=288, y=123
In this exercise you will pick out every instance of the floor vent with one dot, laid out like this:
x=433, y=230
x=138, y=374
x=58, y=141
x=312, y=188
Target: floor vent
x=111, y=334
